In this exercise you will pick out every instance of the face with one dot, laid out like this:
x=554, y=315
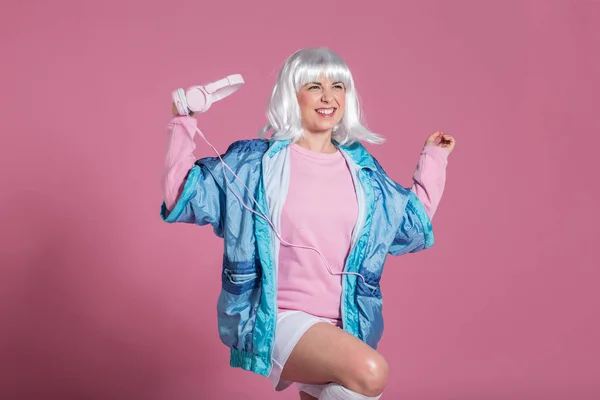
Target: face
x=322, y=104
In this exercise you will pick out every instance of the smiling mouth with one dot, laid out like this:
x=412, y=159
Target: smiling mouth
x=326, y=112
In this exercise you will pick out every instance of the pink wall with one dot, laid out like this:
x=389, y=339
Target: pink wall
x=99, y=299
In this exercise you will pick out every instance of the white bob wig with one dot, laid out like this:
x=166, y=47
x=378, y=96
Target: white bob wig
x=304, y=66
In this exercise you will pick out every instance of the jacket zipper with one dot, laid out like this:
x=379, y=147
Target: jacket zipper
x=358, y=235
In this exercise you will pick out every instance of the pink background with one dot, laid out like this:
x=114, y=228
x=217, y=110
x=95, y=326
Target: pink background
x=99, y=299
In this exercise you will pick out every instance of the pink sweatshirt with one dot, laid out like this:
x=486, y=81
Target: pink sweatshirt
x=304, y=282
x=320, y=210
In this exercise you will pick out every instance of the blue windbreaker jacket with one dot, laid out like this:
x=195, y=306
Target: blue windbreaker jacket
x=391, y=220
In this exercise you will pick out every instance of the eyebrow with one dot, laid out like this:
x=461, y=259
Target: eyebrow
x=319, y=83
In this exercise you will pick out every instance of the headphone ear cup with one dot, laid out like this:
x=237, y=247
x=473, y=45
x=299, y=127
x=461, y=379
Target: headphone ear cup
x=198, y=100
x=180, y=102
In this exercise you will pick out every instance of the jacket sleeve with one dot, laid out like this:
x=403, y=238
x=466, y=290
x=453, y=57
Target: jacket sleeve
x=190, y=191
x=415, y=232
x=200, y=202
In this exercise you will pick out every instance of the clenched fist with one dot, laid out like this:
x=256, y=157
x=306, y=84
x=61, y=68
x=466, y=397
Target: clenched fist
x=446, y=141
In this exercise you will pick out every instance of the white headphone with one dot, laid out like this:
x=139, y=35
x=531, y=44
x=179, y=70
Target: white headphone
x=198, y=99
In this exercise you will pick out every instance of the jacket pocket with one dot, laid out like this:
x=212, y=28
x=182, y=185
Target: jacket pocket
x=238, y=283
x=236, y=309
x=370, y=319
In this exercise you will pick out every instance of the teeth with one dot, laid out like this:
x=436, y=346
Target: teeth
x=325, y=112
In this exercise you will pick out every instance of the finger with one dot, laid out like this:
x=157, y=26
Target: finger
x=449, y=144
x=435, y=138
x=436, y=135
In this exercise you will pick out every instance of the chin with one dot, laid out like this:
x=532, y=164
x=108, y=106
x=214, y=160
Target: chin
x=325, y=131
x=325, y=127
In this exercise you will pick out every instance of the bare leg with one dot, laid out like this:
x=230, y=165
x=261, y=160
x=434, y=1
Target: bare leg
x=327, y=354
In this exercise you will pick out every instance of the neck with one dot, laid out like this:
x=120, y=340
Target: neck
x=318, y=143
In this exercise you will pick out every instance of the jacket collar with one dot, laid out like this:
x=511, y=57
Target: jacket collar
x=356, y=151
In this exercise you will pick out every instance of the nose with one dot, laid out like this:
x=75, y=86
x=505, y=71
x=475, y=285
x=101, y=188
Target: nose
x=327, y=96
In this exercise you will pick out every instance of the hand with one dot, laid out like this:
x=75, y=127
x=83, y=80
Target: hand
x=176, y=113
x=446, y=141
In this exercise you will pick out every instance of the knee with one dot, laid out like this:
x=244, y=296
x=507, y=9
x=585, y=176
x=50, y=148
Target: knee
x=371, y=376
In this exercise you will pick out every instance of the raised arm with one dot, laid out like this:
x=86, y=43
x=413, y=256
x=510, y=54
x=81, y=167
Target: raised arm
x=429, y=178
x=179, y=159
x=190, y=192
x=415, y=232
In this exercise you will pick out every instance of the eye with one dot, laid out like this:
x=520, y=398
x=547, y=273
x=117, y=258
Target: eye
x=313, y=87
x=339, y=86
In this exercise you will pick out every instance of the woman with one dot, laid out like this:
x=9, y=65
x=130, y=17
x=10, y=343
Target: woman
x=300, y=300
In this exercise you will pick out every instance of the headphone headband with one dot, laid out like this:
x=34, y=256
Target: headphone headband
x=224, y=87
x=200, y=98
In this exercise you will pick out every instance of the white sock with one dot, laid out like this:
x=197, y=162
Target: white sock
x=334, y=391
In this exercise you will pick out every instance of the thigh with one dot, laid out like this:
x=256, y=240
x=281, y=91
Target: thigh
x=327, y=354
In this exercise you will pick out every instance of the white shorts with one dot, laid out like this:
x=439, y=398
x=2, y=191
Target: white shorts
x=291, y=325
